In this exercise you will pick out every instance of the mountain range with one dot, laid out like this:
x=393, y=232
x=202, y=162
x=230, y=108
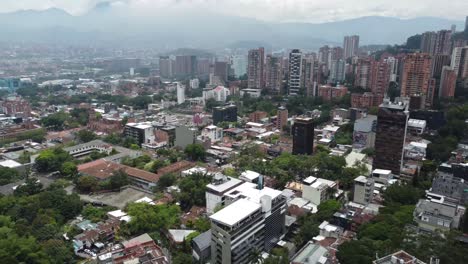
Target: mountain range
x=105, y=25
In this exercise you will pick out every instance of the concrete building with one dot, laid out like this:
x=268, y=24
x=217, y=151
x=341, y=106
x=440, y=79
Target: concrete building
x=390, y=137
x=185, y=65
x=363, y=192
x=281, y=118
x=194, y=83
x=363, y=72
x=212, y=132
x=428, y=41
x=215, y=191
x=437, y=212
x=400, y=257
x=201, y=247
x=253, y=219
x=185, y=136
x=303, y=136
x=329, y=93
x=309, y=74
x=180, y=93
x=295, y=72
x=255, y=69
x=253, y=93
x=443, y=42
x=416, y=76
x=450, y=186
x=221, y=70
x=364, y=132
x=226, y=113
x=337, y=71
x=380, y=76
x=448, y=82
x=15, y=106
x=143, y=132
x=366, y=100
x=274, y=73
x=239, y=65
x=350, y=46
x=311, y=253
x=219, y=94
x=317, y=190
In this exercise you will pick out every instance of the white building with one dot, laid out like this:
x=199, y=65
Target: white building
x=317, y=190
x=219, y=94
x=254, y=93
x=295, y=72
x=253, y=217
x=180, y=94
x=194, y=83
x=363, y=190
x=215, y=191
x=142, y=132
x=212, y=132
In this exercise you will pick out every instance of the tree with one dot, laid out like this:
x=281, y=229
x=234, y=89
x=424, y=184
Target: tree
x=7, y=175
x=147, y=218
x=95, y=214
x=59, y=251
x=192, y=190
x=86, y=135
x=166, y=180
x=182, y=258
x=402, y=194
x=31, y=186
x=87, y=184
x=69, y=169
x=196, y=152
x=56, y=121
x=51, y=160
x=118, y=179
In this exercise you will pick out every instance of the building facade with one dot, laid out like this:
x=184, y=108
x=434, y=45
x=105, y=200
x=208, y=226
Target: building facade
x=255, y=69
x=295, y=72
x=303, y=136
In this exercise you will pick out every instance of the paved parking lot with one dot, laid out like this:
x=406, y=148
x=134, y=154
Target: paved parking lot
x=116, y=199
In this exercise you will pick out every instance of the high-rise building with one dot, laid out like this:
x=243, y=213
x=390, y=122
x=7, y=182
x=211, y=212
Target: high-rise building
x=380, y=76
x=323, y=55
x=308, y=67
x=428, y=42
x=203, y=67
x=443, y=44
x=303, y=136
x=185, y=65
x=221, y=70
x=253, y=219
x=350, y=46
x=459, y=62
x=180, y=93
x=363, y=70
x=274, y=74
x=448, y=82
x=226, y=113
x=416, y=76
x=166, y=67
x=295, y=72
x=255, y=69
x=363, y=190
x=239, y=65
x=337, y=71
x=281, y=118
x=438, y=62
x=390, y=137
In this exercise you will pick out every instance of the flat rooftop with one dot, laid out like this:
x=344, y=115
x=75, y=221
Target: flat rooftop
x=235, y=212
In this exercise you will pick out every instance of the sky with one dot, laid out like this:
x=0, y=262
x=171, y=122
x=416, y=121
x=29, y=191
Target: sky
x=314, y=11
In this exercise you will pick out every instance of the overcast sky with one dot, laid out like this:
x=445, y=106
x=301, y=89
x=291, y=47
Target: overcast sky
x=271, y=10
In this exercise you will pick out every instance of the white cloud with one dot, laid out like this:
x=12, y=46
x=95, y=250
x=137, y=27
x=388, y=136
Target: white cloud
x=272, y=10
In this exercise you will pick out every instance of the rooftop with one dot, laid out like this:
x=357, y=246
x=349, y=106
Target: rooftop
x=235, y=212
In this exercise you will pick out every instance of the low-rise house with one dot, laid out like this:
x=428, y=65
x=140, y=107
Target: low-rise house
x=201, y=247
x=102, y=232
x=317, y=190
x=141, y=249
x=311, y=253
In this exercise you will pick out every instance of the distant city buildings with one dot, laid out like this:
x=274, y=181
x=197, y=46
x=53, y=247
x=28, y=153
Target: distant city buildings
x=350, y=46
x=239, y=65
x=416, y=76
x=295, y=72
x=274, y=73
x=255, y=69
x=329, y=93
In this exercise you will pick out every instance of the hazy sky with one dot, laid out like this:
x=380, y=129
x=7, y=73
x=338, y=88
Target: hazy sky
x=271, y=10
